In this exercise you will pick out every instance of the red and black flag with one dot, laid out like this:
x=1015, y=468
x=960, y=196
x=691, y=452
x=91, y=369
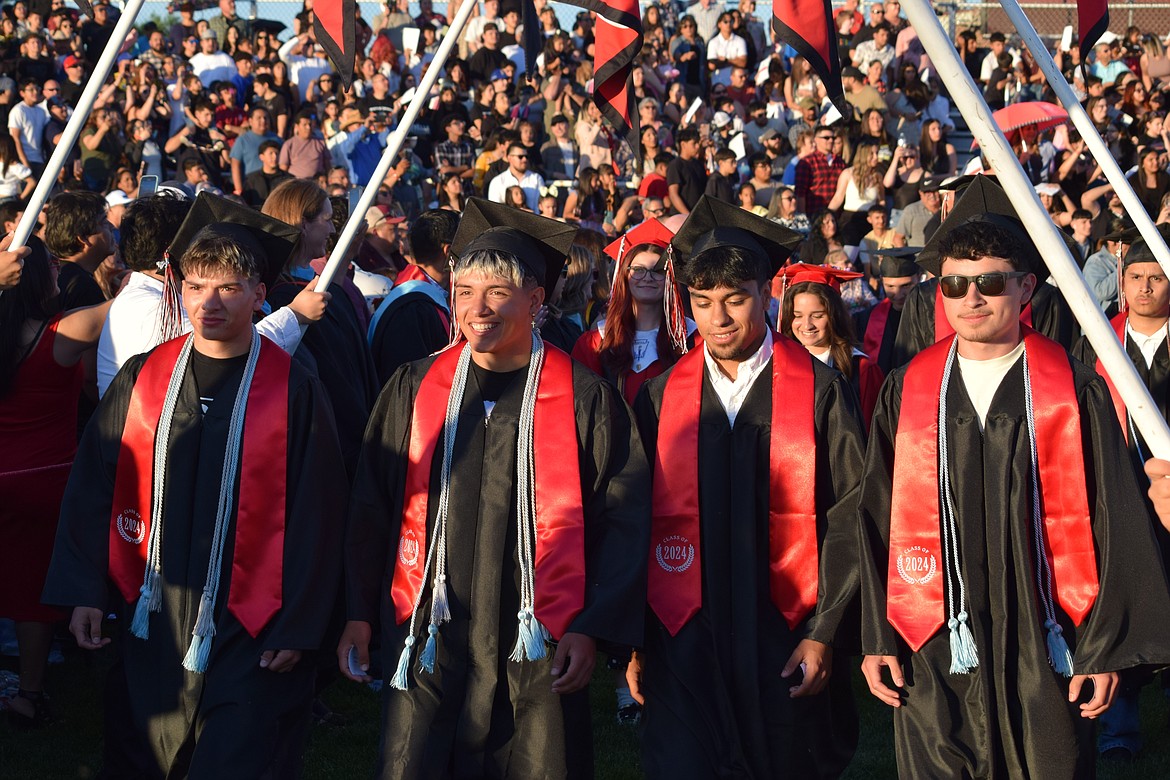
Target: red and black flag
x=807, y=26
x=617, y=39
x=1092, y=22
x=336, y=31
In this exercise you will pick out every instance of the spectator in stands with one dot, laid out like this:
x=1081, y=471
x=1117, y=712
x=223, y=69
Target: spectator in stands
x=211, y=64
x=304, y=155
x=686, y=176
x=26, y=125
x=817, y=173
x=245, y=154
x=725, y=51
x=517, y=175
x=259, y=183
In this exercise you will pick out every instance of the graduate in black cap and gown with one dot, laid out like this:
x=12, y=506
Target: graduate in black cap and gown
x=1002, y=610
x=899, y=275
x=200, y=511
x=923, y=322
x=757, y=451
x=500, y=506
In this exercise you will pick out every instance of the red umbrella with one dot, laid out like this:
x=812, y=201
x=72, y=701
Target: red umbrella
x=1042, y=116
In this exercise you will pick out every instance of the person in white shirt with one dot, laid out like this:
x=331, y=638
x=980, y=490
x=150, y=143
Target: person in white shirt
x=211, y=64
x=475, y=25
x=306, y=61
x=724, y=51
x=26, y=125
x=139, y=319
x=517, y=175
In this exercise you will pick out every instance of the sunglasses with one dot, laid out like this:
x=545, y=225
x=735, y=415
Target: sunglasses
x=993, y=284
x=638, y=274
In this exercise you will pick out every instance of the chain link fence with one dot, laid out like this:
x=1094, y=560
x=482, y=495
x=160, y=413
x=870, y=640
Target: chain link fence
x=1050, y=19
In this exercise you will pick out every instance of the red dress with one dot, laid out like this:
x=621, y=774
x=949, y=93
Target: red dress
x=39, y=419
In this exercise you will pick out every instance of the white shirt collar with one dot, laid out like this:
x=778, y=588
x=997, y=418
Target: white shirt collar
x=732, y=393
x=1147, y=344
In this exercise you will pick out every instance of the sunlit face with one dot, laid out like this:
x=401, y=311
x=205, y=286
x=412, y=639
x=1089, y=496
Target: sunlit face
x=810, y=322
x=220, y=306
x=495, y=316
x=731, y=321
x=647, y=282
x=1146, y=290
x=987, y=319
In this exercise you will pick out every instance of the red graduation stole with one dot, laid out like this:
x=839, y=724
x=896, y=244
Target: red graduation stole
x=876, y=329
x=1118, y=322
x=943, y=329
x=258, y=557
x=675, y=586
x=914, y=584
x=560, y=519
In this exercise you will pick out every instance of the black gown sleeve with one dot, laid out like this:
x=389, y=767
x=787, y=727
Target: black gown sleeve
x=916, y=327
x=615, y=484
x=78, y=572
x=375, y=505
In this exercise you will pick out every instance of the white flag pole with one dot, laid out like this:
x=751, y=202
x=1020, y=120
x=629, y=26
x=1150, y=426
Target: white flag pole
x=969, y=100
x=394, y=143
x=1084, y=125
x=76, y=123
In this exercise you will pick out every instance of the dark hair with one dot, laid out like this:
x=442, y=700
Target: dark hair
x=429, y=232
x=266, y=145
x=1081, y=214
x=147, y=227
x=265, y=79
x=70, y=215
x=724, y=154
x=987, y=239
x=723, y=266
x=839, y=326
x=687, y=134
x=664, y=158
x=33, y=299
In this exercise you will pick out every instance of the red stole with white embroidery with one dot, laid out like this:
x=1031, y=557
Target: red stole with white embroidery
x=676, y=571
x=560, y=519
x=258, y=554
x=914, y=583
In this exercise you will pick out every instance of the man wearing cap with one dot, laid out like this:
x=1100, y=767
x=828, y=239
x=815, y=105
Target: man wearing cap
x=455, y=155
x=517, y=175
x=899, y=275
x=992, y=451
x=225, y=580
x=1141, y=328
x=1101, y=267
x=912, y=225
x=74, y=81
x=499, y=504
x=756, y=451
x=559, y=153
x=414, y=320
x=859, y=94
x=210, y=64
x=380, y=251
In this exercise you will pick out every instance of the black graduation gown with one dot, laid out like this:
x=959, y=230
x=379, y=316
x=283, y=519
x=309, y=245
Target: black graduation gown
x=479, y=714
x=1051, y=317
x=410, y=329
x=885, y=356
x=716, y=705
x=335, y=348
x=240, y=714
x=1010, y=716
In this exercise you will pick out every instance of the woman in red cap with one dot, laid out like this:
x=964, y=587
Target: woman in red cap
x=644, y=331
x=813, y=313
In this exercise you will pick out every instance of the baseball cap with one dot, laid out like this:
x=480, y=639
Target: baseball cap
x=71, y=62
x=118, y=198
x=498, y=74
x=208, y=35
x=720, y=119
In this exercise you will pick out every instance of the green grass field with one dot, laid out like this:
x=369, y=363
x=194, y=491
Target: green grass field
x=71, y=747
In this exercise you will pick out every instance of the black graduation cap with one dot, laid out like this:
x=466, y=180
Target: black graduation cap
x=539, y=243
x=269, y=239
x=897, y=262
x=713, y=223
x=984, y=202
x=1140, y=252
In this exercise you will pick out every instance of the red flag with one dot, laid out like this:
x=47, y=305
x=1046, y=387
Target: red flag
x=1092, y=21
x=617, y=37
x=807, y=26
x=334, y=25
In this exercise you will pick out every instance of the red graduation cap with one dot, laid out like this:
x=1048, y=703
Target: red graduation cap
x=821, y=274
x=649, y=232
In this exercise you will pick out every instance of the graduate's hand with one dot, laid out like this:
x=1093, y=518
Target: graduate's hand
x=817, y=659
x=279, y=661
x=356, y=636
x=309, y=305
x=872, y=666
x=1104, y=689
x=86, y=627
x=1158, y=471
x=634, y=678
x=573, y=663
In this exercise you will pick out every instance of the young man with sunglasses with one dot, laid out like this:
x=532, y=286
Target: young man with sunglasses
x=1012, y=570
x=517, y=175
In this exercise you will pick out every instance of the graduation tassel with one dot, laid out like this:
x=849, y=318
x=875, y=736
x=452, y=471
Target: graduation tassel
x=536, y=644
x=200, y=649
x=1058, y=653
x=523, y=637
x=440, y=609
x=149, y=600
x=672, y=307
x=401, y=678
x=426, y=661
x=964, y=656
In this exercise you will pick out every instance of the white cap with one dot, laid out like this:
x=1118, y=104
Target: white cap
x=118, y=198
x=720, y=119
